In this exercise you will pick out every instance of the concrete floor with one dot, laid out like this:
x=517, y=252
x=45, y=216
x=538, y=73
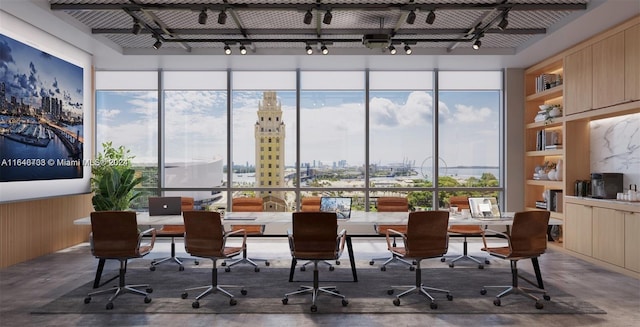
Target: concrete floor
x=36, y=282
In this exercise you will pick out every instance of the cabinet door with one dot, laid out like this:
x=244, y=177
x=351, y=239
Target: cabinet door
x=632, y=241
x=608, y=71
x=578, y=76
x=608, y=231
x=577, y=228
x=632, y=63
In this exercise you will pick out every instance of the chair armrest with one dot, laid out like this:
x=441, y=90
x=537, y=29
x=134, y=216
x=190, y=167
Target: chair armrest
x=340, y=239
x=494, y=232
x=151, y=231
x=291, y=244
x=237, y=231
x=395, y=233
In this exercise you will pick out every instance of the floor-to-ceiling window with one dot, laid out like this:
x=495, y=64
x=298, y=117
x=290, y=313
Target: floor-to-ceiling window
x=401, y=114
x=469, y=134
x=127, y=116
x=282, y=135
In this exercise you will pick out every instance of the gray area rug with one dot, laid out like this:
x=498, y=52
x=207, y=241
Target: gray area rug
x=267, y=287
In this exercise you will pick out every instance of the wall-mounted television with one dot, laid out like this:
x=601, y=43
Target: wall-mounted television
x=45, y=117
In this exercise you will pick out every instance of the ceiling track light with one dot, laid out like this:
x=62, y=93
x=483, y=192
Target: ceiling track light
x=137, y=27
x=324, y=49
x=392, y=50
x=431, y=17
x=477, y=44
x=411, y=17
x=407, y=49
x=227, y=49
x=502, y=25
x=243, y=50
x=327, y=17
x=202, y=18
x=158, y=44
x=222, y=18
x=309, y=49
x=308, y=17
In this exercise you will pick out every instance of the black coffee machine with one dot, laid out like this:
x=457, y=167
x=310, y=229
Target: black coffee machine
x=606, y=185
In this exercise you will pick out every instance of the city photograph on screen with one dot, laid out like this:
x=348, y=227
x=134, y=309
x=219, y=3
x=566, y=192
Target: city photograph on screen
x=41, y=115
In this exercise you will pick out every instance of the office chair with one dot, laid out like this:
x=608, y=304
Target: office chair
x=312, y=204
x=174, y=231
x=247, y=205
x=426, y=237
x=114, y=235
x=462, y=202
x=527, y=240
x=392, y=204
x=204, y=237
x=315, y=238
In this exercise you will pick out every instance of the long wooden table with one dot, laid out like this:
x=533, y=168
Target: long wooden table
x=361, y=224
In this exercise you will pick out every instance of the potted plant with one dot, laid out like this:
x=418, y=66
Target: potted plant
x=114, y=181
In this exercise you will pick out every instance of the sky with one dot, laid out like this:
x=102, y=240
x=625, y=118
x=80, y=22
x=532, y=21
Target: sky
x=332, y=125
x=30, y=74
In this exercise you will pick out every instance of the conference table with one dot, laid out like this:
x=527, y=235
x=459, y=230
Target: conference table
x=360, y=224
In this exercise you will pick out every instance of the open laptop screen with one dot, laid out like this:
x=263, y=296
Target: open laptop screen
x=484, y=208
x=340, y=205
x=165, y=205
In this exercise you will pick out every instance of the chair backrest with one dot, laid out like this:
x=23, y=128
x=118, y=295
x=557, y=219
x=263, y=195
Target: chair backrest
x=187, y=203
x=203, y=233
x=310, y=204
x=314, y=235
x=393, y=204
x=528, y=236
x=462, y=202
x=427, y=235
x=247, y=205
x=114, y=234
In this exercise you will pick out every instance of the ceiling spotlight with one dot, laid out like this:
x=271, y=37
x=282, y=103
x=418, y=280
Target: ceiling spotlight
x=202, y=18
x=503, y=22
x=308, y=16
x=137, y=27
x=392, y=50
x=227, y=49
x=243, y=50
x=324, y=49
x=477, y=44
x=431, y=17
x=309, y=49
x=158, y=44
x=407, y=49
x=327, y=17
x=222, y=18
x=411, y=18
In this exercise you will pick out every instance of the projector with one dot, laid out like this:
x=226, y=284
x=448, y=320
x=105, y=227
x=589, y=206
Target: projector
x=376, y=41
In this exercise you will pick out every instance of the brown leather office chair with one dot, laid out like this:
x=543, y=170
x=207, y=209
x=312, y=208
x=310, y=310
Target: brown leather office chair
x=462, y=202
x=391, y=204
x=174, y=231
x=426, y=237
x=247, y=205
x=312, y=204
x=204, y=237
x=315, y=237
x=114, y=235
x=527, y=240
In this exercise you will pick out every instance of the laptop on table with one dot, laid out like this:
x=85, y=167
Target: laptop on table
x=486, y=208
x=340, y=205
x=165, y=205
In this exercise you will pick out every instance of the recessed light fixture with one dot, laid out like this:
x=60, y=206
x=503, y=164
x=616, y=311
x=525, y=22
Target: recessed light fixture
x=227, y=49
x=309, y=49
x=324, y=49
x=407, y=49
x=243, y=50
x=392, y=50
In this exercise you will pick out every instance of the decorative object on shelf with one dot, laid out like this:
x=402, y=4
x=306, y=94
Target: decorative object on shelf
x=559, y=170
x=548, y=112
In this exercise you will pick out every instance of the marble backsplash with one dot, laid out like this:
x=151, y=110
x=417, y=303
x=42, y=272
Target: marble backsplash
x=615, y=147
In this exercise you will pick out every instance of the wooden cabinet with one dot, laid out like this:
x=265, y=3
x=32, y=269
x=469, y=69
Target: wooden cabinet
x=608, y=227
x=578, y=86
x=632, y=63
x=577, y=228
x=608, y=71
x=632, y=241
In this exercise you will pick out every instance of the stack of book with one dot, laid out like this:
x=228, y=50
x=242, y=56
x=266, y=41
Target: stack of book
x=548, y=140
x=547, y=81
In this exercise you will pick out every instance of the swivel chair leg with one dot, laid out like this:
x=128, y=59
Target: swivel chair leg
x=515, y=289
